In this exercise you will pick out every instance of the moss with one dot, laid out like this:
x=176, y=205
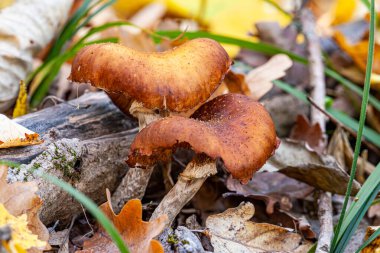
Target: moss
x=173, y=239
x=185, y=242
x=36, y=166
x=65, y=165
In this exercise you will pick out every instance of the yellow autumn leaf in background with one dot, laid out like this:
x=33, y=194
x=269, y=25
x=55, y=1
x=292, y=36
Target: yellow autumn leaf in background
x=358, y=52
x=21, y=237
x=5, y=3
x=218, y=15
x=21, y=107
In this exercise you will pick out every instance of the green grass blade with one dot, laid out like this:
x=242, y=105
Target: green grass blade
x=51, y=70
x=369, y=240
x=358, y=209
x=291, y=90
x=92, y=208
x=367, y=86
x=370, y=134
x=313, y=248
x=366, y=3
x=69, y=29
x=101, y=28
x=10, y=163
x=279, y=8
x=350, y=85
x=100, y=9
x=265, y=49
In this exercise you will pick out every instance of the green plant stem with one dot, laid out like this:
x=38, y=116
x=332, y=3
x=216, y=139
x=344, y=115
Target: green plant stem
x=367, y=86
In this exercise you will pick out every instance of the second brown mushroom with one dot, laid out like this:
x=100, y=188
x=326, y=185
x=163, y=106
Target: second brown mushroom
x=232, y=127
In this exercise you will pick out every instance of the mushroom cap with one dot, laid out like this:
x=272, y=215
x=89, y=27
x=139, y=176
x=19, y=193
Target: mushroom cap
x=177, y=80
x=232, y=127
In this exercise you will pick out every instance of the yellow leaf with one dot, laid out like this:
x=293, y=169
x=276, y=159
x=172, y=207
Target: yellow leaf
x=126, y=8
x=15, y=135
x=344, y=11
x=21, y=107
x=232, y=18
x=21, y=236
x=5, y=3
x=358, y=52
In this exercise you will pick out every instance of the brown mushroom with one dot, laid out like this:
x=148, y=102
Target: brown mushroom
x=152, y=85
x=232, y=127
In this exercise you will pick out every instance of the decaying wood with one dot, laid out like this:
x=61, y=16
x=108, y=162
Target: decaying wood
x=85, y=146
x=317, y=81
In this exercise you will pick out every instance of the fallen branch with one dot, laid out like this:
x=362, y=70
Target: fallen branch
x=317, y=81
x=86, y=146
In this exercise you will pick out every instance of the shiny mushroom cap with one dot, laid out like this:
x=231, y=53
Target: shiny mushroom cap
x=176, y=80
x=232, y=127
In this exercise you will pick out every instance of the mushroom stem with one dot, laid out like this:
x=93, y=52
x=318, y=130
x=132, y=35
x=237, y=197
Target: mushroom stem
x=135, y=181
x=188, y=184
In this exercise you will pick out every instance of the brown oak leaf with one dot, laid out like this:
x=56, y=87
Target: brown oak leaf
x=137, y=234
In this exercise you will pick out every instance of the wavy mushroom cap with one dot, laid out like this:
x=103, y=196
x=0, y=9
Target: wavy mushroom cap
x=232, y=127
x=178, y=79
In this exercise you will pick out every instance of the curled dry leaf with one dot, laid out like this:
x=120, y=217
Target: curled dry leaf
x=26, y=28
x=272, y=188
x=20, y=199
x=15, y=135
x=137, y=234
x=340, y=147
x=295, y=160
x=232, y=231
x=259, y=80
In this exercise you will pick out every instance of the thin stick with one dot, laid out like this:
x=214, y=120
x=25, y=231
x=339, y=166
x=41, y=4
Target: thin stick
x=369, y=145
x=317, y=81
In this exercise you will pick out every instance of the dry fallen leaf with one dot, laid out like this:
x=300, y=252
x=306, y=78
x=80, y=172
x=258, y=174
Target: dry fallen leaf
x=295, y=160
x=310, y=134
x=15, y=135
x=340, y=147
x=137, y=234
x=232, y=231
x=21, y=107
x=259, y=80
x=374, y=246
x=22, y=238
x=20, y=199
x=358, y=52
x=272, y=188
x=374, y=118
x=234, y=83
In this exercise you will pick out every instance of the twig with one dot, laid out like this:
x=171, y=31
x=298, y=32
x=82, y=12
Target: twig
x=317, y=81
x=369, y=145
x=63, y=246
